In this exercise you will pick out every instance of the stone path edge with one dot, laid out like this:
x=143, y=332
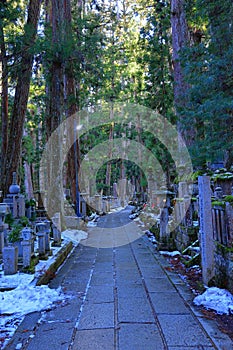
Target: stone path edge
x=220, y=340
x=48, y=275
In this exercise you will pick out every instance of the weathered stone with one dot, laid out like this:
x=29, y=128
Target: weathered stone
x=1, y=238
x=206, y=229
x=10, y=260
x=27, y=252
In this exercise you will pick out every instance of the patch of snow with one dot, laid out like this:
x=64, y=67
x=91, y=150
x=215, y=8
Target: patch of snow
x=75, y=235
x=12, y=281
x=15, y=304
x=220, y=300
x=26, y=298
x=175, y=253
x=91, y=224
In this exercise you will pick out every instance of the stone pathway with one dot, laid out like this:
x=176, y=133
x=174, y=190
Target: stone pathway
x=122, y=299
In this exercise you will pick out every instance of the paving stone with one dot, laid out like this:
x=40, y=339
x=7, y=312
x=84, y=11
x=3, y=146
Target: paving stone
x=96, y=316
x=52, y=336
x=139, y=336
x=134, y=310
x=130, y=274
x=182, y=330
x=102, y=278
x=24, y=331
x=159, y=285
x=104, y=267
x=152, y=272
x=136, y=280
x=95, y=339
x=67, y=312
x=168, y=303
x=100, y=294
x=131, y=291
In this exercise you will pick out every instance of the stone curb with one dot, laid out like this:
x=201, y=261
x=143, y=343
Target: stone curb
x=60, y=257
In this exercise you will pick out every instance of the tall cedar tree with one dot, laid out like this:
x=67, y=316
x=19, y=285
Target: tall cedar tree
x=12, y=156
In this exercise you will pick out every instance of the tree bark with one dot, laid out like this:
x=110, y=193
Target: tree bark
x=13, y=152
x=180, y=40
x=71, y=107
x=4, y=101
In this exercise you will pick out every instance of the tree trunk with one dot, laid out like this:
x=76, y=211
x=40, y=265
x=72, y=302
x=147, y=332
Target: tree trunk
x=71, y=108
x=4, y=101
x=21, y=94
x=55, y=110
x=180, y=40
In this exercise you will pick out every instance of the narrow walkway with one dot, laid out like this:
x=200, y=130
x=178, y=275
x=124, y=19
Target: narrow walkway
x=122, y=299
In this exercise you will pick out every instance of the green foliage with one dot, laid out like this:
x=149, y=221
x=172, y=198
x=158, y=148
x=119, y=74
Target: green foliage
x=209, y=71
x=229, y=199
x=15, y=233
x=9, y=219
x=218, y=204
x=23, y=221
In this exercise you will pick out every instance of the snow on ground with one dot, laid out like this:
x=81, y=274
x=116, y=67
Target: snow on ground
x=74, y=235
x=220, y=300
x=24, y=297
x=91, y=224
x=176, y=252
x=12, y=281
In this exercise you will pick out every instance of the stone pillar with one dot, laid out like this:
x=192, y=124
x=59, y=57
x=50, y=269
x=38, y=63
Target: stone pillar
x=27, y=252
x=229, y=218
x=47, y=235
x=206, y=229
x=41, y=234
x=21, y=206
x=122, y=191
x=41, y=243
x=182, y=189
x=1, y=236
x=98, y=205
x=188, y=220
x=10, y=260
x=115, y=190
x=83, y=204
x=1, y=241
x=56, y=236
x=164, y=232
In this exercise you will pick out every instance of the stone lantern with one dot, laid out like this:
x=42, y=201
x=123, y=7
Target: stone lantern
x=15, y=200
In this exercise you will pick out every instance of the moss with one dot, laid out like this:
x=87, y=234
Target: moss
x=222, y=176
x=219, y=204
x=31, y=269
x=195, y=260
x=228, y=199
x=155, y=230
x=223, y=250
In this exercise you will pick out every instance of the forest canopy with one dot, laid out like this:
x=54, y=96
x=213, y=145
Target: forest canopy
x=62, y=57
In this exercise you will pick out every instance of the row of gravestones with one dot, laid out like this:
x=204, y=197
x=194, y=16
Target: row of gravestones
x=24, y=250
x=211, y=259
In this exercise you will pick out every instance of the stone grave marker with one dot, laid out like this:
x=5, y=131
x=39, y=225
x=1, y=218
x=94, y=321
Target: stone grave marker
x=206, y=229
x=10, y=260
